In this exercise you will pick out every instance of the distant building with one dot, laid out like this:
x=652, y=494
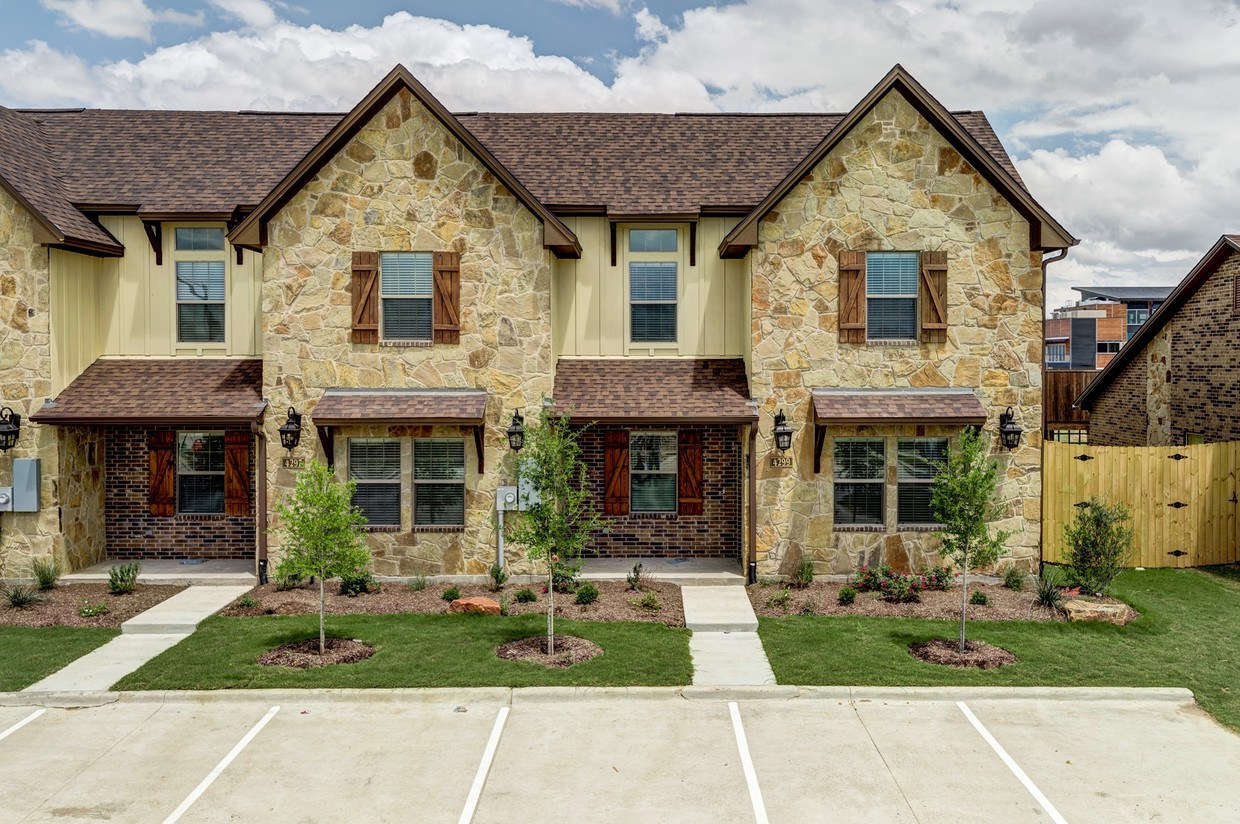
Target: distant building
x=1139, y=301
x=1088, y=334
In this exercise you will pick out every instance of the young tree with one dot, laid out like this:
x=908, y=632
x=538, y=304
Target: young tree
x=1099, y=544
x=964, y=502
x=322, y=532
x=560, y=516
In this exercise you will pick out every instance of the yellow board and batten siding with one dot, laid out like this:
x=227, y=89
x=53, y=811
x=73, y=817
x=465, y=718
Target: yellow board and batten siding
x=1149, y=481
x=126, y=307
x=590, y=303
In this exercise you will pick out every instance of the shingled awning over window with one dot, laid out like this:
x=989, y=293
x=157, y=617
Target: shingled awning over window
x=152, y=391
x=654, y=390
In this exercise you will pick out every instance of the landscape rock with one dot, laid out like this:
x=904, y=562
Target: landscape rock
x=478, y=604
x=1082, y=610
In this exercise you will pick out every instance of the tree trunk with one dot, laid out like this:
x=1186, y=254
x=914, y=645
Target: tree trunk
x=322, y=610
x=964, y=597
x=550, y=608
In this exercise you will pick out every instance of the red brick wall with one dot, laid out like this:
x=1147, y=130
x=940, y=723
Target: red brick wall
x=716, y=533
x=131, y=530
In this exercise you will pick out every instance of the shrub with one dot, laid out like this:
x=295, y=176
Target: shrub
x=767, y=582
x=418, y=583
x=870, y=579
x=637, y=578
x=847, y=595
x=451, y=594
x=354, y=584
x=89, y=610
x=564, y=576
x=287, y=578
x=648, y=601
x=247, y=601
x=499, y=577
x=1099, y=541
x=123, y=579
x=1048, y=593
x=586, y=594
x=525, y=596
x=804, y=574
x=21, y=596
x=938, y=578
x=979, y=599
x=1014, y=578
x=809, y=607
x=47, y=572
x=901, y=588
x=503, y=604
x=780, y=599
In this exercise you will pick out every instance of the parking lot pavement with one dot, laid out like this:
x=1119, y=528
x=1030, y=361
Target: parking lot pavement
x=544, y=755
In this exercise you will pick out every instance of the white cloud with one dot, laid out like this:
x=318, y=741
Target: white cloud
x=256, y=14
x=613, y=6
x=117, y=18
x=649, y=27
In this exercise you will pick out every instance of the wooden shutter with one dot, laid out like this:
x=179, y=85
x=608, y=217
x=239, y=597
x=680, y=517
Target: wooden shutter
x=852, y=297
x=616, y=472
x=933, y=297
x=365, y=297
x=236, y=473
x=447, y=308
x=162, y=492
x=689, y=472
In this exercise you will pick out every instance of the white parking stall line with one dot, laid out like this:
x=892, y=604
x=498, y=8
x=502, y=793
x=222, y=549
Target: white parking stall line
x=751, y=776
x=220, y=767
x=484, y=768
x=1013, y=766
x=21, y=723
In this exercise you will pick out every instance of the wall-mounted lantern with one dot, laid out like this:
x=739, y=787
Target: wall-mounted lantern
x=516, y=432
x=290, y=430
x=1009, y=430
x=783, y=432
x=10, y=426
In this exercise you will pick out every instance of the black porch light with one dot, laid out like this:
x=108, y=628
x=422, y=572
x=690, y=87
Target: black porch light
x=516, y=432
x=783, y=432
x=1009, y=430
x=290, y=430
x=10, y=425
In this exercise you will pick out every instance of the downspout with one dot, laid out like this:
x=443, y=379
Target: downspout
x=1046, y=261
x=260, y=500
x=752, y=569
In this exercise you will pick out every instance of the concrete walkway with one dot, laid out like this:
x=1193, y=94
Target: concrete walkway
x=142, y=638
x=725, y=646
x=190, y=572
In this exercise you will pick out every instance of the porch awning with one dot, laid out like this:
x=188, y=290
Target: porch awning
x=160, y=391
x=654, y=390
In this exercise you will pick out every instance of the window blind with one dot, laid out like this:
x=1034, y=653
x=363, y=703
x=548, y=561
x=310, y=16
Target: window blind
x=405, y=290
x=439, y=482
x=375, y=466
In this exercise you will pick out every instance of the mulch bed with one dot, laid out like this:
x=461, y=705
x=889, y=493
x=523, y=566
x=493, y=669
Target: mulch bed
x=976, y=654
x=305, y=654
x=823, y=599
x=612, y=604
x=60, y=606
x=569, y=650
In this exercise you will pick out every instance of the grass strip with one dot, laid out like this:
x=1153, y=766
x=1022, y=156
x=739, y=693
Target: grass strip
x=31, y=654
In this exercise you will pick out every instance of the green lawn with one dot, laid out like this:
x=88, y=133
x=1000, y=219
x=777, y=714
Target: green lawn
x=1188, y=636
x=415, y=651
x=31, y=654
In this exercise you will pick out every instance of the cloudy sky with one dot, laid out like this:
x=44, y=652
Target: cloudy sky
x=1120, y=116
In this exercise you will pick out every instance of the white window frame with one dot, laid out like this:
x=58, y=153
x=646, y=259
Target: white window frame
x=675, y=471
x=429, y=297
x=180, y=256
x=915, y=296
x=676, y=258
x=902, y=481
x=463, y=483
x=398, y=483
x=881, y=481
x=181, y=472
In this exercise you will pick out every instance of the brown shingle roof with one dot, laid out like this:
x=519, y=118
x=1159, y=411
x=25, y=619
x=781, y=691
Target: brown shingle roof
x=892, y=406
x=653, y=389
x=150, y=390
x=450, y=406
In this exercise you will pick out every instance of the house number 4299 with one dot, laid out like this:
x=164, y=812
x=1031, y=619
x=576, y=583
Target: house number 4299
x=781, y=461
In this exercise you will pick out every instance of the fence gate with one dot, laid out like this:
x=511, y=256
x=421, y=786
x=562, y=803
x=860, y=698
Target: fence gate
x=1183, y=498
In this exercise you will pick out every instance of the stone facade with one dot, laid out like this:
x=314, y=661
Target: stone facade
x=893, y=183
x=405, y=183
x=82, y=483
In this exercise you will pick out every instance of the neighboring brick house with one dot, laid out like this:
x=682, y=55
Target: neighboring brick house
x=1176, y=381
x=406, y=279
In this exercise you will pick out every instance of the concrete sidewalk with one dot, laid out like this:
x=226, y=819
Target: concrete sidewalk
x=725, y=646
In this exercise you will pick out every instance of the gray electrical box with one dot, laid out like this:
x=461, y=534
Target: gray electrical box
x=25, y=484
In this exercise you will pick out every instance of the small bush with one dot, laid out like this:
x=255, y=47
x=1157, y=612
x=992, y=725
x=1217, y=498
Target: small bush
x=847, y=596
x=767, y=582
x=637, y=578
x=870, y=579
x=809, y=607
x=451, y=594
x=900, y=588
x=564, y=576
x=586, y=594
x=499, y=577
x=979, y=599
x=358, y=583
x=287, y=578
x=21, y=596
x=804, y=574
x=938, y=578
x=1014, y=578
x=89, y=610
x=525, y=596
x=418, y=583
x=247, y=601
x=648, y=601
x=47, y=572
x=123, y=579
x=1048, y=593
x=780, y=599
x=1099, y=542
x=503, y=604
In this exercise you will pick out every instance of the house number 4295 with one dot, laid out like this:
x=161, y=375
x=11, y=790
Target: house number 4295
x=781, y=461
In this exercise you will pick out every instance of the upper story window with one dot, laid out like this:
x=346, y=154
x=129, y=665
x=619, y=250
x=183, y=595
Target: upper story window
x=891, y=295
x=406, y=284
x=654, y=284
x=200, y=273
x=1056, y=352
x=374, y=465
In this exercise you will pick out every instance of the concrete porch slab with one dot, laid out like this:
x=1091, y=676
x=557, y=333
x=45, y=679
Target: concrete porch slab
x=682, y=571
x=184, y=611
x=212, y=572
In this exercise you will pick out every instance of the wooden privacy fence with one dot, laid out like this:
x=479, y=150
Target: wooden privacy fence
x=1183, y=498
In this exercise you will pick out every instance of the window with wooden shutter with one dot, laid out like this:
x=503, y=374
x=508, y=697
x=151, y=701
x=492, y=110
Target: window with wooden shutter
x=237, y=473
x=365, y=297
x=689, y=479
x=653, y=479
x=161, y=493
x=201, y=470
x=852, y=297
x=406, y=287
x=447, y=297
x=933, y=295
x=616, y=472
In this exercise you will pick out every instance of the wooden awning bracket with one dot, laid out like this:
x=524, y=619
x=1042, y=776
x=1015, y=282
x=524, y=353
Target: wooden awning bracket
x=327, y=437
x=478, y=433
x=155, y=235
x=820, y=439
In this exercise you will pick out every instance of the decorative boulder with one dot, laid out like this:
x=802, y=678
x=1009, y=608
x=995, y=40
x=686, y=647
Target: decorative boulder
x=476, y=604
x=1081, y=610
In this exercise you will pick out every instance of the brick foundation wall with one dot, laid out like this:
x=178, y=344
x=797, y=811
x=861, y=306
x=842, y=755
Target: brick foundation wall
x=716, y=533
x=132, y=532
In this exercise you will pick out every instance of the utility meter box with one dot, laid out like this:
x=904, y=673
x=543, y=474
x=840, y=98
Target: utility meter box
x=25, y=484
x=506, y=498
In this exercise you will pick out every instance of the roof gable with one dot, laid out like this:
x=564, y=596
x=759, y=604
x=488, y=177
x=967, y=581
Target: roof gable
x=250, y=232
x=1045, y=230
